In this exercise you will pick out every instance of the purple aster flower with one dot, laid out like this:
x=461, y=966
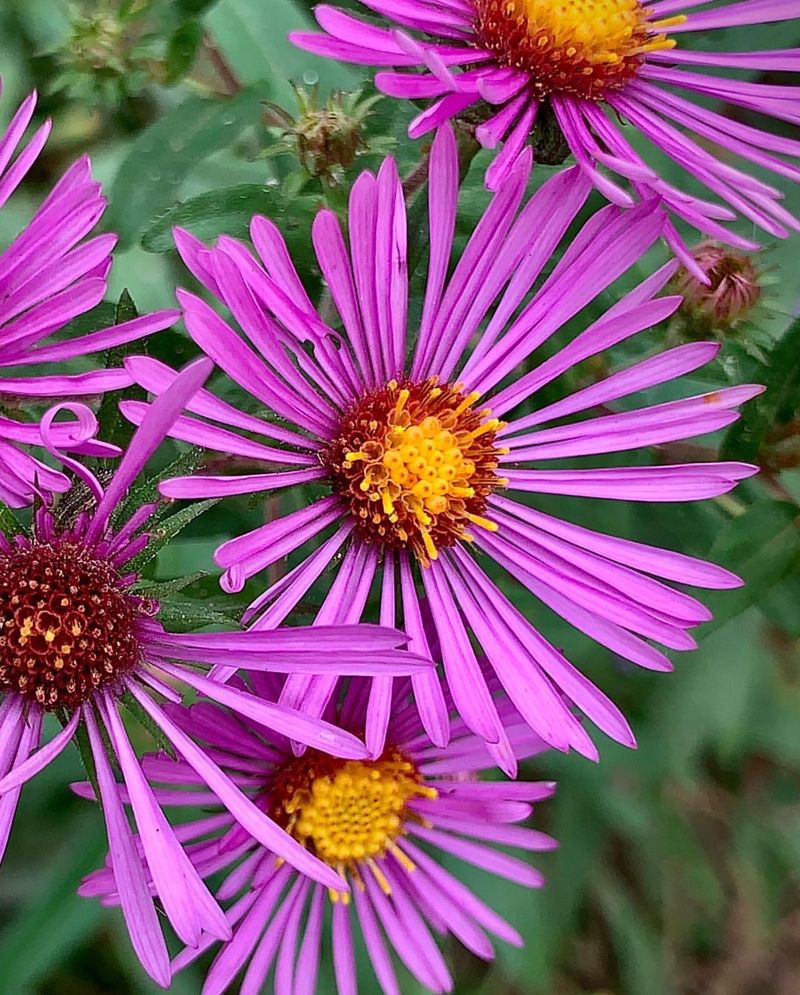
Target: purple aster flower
x=380, y=823
x=76, y=641
x=49, y=275
x=594, y=64
x=424, y=439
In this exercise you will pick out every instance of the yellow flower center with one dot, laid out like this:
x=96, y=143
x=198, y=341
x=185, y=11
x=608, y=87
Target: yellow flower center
x=580, y=47
x=348, y=812
x=416, y=463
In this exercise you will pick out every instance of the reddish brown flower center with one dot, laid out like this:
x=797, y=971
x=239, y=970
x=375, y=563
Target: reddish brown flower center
x=416, y=464
x=347, y=812
x=66, y=626
x=578, y=47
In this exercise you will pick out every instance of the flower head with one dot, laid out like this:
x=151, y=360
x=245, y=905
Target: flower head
x=78, y=641
x=49, y=275
x=594, y=63
x=382, y=823
x=424, y=437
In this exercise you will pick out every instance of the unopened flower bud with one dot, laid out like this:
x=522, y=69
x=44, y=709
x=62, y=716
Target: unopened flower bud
x=734, y=290
x=327, y=138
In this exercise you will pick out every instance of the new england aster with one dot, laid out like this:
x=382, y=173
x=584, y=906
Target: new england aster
x=593, y=63
x=49, y=275
x=78, y=642
x=381, y=823
x=411, y=432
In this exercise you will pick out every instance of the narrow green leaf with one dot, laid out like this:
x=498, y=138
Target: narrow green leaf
x=638, y=945
x=168, y=529
x=161, y=590
x=146, y=491
x=187, y=616
x=144, y=720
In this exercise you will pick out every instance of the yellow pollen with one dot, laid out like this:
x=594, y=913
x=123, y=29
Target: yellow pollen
x=583, y=47
x=417, y=462
x=349, y=813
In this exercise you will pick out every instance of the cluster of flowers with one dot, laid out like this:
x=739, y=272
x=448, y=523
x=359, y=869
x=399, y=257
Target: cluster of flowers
x=344, y=755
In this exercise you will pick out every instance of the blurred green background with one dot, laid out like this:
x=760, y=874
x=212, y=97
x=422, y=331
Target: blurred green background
x=679, y=869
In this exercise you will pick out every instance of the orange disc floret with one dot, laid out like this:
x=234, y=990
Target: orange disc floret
x=578, y=47
x=347, y=812
x=416, y=463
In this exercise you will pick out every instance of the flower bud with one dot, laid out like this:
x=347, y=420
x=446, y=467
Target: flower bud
x=733, y=292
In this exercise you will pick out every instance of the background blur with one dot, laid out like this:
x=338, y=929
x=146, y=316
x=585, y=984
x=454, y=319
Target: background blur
x=679, y=869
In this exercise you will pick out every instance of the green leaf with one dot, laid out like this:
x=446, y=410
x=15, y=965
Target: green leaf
x=229, y=212
x=146, y=491
x=777, y=405
x=162, y=155
x=9, y=523
x=167, y=530
x=638, y=945
x=763, y=548
x=161, y=590
x=113, y=426
x=182, y=49
x=187, y=616
x=147, y=723
x=191, y=8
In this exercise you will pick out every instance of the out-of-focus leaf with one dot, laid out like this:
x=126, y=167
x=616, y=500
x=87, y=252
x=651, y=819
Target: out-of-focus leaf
x=254, y=44
x=777, y=405
x=637, y=943
x=163, y=154
x=781, y=606
x=191, y=8
x=182, y=49
x=42, y=931
x=229, y=212
x=763, y=548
